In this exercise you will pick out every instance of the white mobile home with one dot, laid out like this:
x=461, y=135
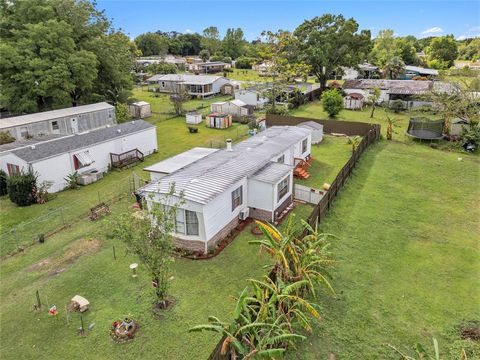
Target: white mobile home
x=60, y=122
x=194, y=85
x=251, y=179
x=88, y=153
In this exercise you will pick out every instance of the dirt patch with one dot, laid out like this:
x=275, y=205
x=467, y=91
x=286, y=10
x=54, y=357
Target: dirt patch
x=58, y=264
x=470, y=330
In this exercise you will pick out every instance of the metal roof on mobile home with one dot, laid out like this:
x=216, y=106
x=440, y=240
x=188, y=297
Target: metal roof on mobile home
x=210, y=176
x=53, y=114
x=272, y=173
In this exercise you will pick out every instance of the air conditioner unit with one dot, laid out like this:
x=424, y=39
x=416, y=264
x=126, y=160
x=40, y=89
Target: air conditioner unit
x=243, y=215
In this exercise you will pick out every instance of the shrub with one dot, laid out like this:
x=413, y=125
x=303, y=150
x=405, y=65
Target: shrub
x=470, y=134
x=244, y=62
x=397, y=106
x=3, y=183
x=41, y=238
x=21, y=188
x=6, y=138
x=122, y=112
x=332, y=102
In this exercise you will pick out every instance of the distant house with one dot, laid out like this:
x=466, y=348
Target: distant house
x=353, y=101
x=364, y=71
x=195, y=85
x=404, y=90
x=236, y=108
x=415, y=71
x=209, y=67
x=315, y=128
x=253, y=178
x=60, y=122
x=264, y=69
x=252, y=97
x=140, y=109
x=90, y=153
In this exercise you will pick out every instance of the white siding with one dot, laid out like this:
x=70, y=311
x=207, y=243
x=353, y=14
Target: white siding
x=260, y=195
x=250, y=98
x=9, y=158
x=56, y=168
x=218, y=213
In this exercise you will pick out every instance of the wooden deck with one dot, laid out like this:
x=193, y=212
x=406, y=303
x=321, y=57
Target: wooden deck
x=126, y=158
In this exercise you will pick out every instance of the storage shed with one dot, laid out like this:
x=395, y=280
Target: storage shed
x=194, y=118
x=316, y=128
x=218, y=120
x=353, y=101
x=456, y=126
x=140, y=109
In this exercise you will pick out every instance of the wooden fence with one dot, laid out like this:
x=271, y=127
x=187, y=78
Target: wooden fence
x=369, y=132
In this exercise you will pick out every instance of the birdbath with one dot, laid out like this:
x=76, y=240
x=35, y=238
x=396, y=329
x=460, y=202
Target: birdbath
x=134, y=267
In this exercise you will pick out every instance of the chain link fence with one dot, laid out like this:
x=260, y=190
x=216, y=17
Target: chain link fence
x=28, y=232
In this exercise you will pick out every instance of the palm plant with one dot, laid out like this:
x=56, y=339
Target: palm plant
x=354, y=141
x=390, y=124
x=245, y=336
x=297, y=259
x=71, y=180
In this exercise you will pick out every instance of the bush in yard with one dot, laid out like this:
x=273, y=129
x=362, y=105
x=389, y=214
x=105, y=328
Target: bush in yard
x=6, y=138
x=244, y=62
x=397, y=106
x=21, y=188
x=123, y=113
x=332, y=102
x=3, y=183
x=470, y=134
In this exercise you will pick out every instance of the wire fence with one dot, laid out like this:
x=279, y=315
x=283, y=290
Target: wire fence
x=28, y=232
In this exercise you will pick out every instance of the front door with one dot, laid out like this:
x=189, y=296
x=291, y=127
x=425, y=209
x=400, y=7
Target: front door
x=74, y=125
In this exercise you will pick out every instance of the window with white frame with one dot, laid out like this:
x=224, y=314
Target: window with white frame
x=55, y=125
x=283, y=188
x=237, y=197
x=304, y=145
x=191, y=220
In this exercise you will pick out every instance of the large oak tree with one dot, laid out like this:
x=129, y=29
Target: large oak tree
x=329, y=42
x=57, y=53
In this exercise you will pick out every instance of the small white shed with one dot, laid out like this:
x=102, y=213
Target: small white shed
x=316, y=128
x=353, y=101
x=194, y=118
x=140, y=109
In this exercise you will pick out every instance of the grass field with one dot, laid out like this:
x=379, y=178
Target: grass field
x=407, y=250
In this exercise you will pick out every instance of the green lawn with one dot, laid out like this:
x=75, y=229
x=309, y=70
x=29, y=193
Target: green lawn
x=200, y=288
x=329, y=157
x=408, y=254
x=173, y=138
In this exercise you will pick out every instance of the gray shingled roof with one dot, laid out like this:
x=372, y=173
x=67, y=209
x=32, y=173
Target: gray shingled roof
x=27, y=142
x=272, y=173
x=53, y=114
x=79, y=141
x=207, y=178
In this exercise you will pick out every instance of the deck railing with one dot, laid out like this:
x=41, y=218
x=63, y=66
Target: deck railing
x=126, y=158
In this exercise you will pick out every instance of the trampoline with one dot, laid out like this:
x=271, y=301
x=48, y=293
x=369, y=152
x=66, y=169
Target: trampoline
x=425, y=129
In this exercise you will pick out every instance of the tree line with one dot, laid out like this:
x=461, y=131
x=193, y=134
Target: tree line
x=60, y=53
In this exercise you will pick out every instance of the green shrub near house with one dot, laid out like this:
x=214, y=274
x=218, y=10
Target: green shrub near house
x=21, y=188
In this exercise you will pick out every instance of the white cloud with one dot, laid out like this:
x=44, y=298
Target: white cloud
x=188, y=31
x=474, y=29
x=432, y=31
x=462, y=37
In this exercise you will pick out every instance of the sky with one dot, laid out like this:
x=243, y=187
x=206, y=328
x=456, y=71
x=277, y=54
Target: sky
x=405, y=17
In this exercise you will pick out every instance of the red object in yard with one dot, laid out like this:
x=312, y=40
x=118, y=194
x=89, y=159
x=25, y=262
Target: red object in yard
x=300, y=170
